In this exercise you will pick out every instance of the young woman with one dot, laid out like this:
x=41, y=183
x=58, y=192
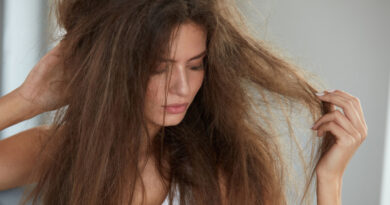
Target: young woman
x=155, y=100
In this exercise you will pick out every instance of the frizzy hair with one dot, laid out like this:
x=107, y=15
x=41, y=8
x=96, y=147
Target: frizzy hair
x=111, y=48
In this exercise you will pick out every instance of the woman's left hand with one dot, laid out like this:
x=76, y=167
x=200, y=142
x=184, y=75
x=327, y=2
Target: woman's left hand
x=350, y=130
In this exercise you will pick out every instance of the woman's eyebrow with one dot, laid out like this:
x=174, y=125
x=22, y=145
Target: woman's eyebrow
x=193, y=58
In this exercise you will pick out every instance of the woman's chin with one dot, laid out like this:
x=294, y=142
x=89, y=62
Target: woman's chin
x=171, y=120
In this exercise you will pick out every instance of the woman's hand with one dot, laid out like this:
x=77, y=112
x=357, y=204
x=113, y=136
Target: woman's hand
x=45, y=84
x=350, y=130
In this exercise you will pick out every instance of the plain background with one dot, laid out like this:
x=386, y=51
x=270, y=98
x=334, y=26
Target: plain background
x=345, y=42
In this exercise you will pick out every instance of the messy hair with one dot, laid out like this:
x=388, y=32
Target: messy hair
x=229, y=138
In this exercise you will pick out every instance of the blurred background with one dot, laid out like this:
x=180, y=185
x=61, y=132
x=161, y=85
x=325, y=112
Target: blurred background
x=346, y=43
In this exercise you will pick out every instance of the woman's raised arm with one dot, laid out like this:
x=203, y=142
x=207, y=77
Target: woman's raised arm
x=14, y=109
x=19, y=155
x=350, y=130
x=43, y=90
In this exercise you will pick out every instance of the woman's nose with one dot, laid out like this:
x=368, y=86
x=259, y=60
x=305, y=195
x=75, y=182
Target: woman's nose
x=179, y=83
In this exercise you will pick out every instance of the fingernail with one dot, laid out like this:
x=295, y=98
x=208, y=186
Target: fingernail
x=320, y=94
x=330, y=90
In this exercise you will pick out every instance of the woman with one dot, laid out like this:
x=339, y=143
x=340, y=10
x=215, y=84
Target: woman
x=119, y=137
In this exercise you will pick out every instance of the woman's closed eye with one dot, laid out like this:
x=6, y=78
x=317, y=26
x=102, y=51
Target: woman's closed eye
x=199, y=67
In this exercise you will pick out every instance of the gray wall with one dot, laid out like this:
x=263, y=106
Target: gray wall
x=347, y=44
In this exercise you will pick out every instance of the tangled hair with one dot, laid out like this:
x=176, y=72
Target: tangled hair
x=229, y=133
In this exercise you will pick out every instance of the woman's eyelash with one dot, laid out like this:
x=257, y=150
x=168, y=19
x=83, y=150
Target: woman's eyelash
x=197, y=67
x=193, y=68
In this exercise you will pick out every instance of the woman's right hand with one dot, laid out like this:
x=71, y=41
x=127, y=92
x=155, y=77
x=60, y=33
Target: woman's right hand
x=44, y=87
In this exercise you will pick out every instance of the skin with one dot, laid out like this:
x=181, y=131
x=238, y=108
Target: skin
x=186, y=79
x=37, y=95
x=350, y=130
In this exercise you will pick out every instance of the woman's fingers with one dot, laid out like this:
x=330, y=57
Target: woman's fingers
x=355, y=102
x=339, y=132
x=348, y=128
x=333, y=163
x=337, y=117
x=348, y=104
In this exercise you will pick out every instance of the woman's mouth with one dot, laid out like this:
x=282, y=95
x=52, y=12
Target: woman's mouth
x=176, y=108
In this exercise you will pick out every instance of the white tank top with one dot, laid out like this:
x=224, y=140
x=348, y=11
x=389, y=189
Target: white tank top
x=175, y=199
x=165, y=201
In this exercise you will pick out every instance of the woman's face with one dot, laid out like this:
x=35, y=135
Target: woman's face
x=187, y=73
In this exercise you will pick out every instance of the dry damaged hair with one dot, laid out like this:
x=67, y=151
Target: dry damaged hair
x=229, y=133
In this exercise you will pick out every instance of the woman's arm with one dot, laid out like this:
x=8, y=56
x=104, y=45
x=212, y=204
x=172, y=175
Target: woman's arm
x=328, y=191
x=19, y=155
x=349, y=130
x=43, y=90
x=14, y=109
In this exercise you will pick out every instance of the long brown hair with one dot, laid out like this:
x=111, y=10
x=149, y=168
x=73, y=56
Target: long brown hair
x=111, y=47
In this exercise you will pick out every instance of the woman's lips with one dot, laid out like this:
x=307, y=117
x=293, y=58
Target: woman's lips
x=177, y=108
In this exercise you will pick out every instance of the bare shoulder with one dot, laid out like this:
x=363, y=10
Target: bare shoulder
x=19, y=156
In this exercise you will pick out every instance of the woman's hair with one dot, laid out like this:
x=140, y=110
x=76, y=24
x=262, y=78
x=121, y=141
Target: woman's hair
x=228, y=134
